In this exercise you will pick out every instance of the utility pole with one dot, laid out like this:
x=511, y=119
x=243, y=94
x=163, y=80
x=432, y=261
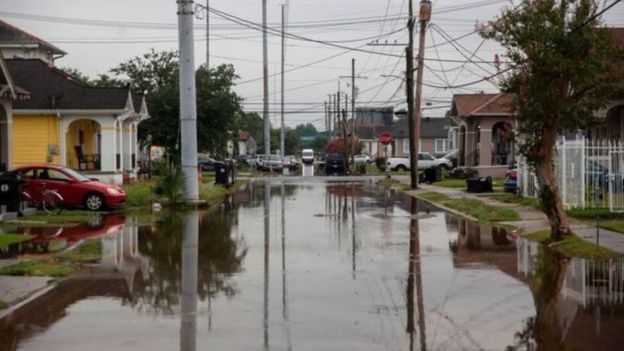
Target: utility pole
x=353, y=112
x=188, y=100
x=265, y=76
x=414, y=136
x=330, y=114
x=326, y=116
x=337, y=116
x=424, y=15
x=282, y=93
x=207, y=34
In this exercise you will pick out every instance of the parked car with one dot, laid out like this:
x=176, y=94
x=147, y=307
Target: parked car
x=307, y=156
x=290, y=162
x=76, y=189
x=208, y=164
x=245, y=160
x=258, y=161
x=273, y=162
x=450, y=158
x=361, y=159
x=425, y=160
x=335, y=164
x=511, y=181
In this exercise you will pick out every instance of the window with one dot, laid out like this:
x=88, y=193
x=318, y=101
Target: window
x=52, y=174
x=441, y=146
x=406, y=146
x=425, y=157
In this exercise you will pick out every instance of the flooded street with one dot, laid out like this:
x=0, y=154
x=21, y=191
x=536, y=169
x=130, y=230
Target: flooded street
x=307, y=264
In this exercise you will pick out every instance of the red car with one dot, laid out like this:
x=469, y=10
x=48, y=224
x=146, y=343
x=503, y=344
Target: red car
x=76, y=189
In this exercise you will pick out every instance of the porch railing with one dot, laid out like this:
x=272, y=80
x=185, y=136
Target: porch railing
x=86, y=162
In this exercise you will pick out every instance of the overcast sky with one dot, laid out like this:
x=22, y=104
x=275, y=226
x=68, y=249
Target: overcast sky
x=116, y=30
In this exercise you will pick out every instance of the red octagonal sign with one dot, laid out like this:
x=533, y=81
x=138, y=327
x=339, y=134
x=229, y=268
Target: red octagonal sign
x=385, y=138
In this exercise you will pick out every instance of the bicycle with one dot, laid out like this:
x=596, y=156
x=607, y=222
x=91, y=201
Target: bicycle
x=51, y=201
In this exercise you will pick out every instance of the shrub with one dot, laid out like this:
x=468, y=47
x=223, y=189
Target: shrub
x=169, y=183
x=380, y=162
x=139, y=194
x=360, y=168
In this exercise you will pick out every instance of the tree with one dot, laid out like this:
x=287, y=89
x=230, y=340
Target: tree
x=307, y=129
x=562, y=70
x=250, y=122
x=156, y=75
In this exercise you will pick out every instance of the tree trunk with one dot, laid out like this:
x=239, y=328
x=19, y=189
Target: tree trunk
x=549, y=190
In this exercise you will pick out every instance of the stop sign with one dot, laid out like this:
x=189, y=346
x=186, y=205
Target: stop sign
x=385, y=138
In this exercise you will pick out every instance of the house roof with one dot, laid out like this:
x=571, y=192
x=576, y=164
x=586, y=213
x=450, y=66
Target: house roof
x=430, y=128
x=51, y=88
x=10, y=35
x=465, y=105
x=8, y=89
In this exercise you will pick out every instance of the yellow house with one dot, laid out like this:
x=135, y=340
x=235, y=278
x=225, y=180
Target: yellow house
x=65, y=122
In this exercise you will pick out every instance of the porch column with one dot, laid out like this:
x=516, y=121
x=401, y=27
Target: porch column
x=135, y=146
x=485, y=144
x=127, y=147
x=120, y=150
x=109, y=143
x=471, y=143
x=63, y=141
x=6, y=135
x=485, y=148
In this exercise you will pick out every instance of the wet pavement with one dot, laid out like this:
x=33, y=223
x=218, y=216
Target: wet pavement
x=313, y=264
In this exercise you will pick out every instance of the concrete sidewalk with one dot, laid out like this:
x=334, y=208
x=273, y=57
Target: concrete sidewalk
x=531, y=219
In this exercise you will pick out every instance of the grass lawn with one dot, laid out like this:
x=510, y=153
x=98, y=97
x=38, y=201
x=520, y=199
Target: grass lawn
x=572, y=246
x=590, y=213
x=3, y=305
x=59, y=265
x=8, y=239
x=73, y=216
x=473, y=207
x=451, y=183
x=617, y=226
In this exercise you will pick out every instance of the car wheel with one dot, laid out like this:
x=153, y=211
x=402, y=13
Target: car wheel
x=94, y=202
x=400, y=168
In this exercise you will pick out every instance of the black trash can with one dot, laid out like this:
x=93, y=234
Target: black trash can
x=479, y=185
x=11, y=191
x=433, y=175
x=222, y=173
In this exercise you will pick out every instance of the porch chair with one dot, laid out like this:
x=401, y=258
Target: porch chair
x=83, y=160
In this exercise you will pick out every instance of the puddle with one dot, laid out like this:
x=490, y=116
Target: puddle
x=376, y=270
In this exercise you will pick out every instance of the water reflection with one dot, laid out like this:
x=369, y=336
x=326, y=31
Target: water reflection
x=188, y=306
x=344, y=266
x=414, y=277
x=579, y=303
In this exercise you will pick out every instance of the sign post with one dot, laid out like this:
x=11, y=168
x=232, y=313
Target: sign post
x=385, y=139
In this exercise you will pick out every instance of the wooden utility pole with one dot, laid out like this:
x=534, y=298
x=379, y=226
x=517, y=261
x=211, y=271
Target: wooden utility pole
x=353, y=112
x=424, y=15
x=337, y=115
x=409, y=86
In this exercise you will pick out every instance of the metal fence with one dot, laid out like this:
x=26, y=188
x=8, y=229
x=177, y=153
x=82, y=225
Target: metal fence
x=590, y=174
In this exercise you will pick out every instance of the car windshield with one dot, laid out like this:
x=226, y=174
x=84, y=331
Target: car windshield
x=78, y=176
x=275, y=158
x=307, y=153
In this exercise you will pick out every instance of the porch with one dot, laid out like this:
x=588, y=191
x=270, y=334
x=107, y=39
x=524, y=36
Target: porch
x=486, y=145
x=102, y=147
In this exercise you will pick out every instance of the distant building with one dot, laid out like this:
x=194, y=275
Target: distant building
x=246, y=144
x=374, y=116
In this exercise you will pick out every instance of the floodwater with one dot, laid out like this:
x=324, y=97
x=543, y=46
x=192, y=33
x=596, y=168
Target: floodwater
x=307, y=264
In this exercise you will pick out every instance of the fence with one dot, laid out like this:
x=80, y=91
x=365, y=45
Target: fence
x=590, y=174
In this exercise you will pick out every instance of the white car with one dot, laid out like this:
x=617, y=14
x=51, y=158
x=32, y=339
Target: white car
x=361, y=159
x=307, y=156
x=425, y=160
